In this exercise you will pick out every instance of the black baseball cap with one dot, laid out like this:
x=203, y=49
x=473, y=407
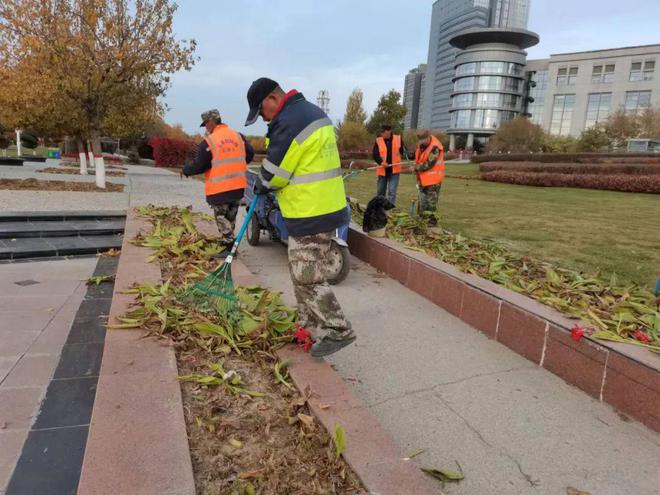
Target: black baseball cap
x=259, y=89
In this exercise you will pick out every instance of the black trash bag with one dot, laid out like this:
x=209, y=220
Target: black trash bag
x=375, y=217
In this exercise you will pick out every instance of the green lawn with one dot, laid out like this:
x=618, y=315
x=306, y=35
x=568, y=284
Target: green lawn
x=11, y=151
x=588, y=230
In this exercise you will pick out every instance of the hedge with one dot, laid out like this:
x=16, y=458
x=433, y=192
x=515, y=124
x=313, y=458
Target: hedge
x=569, y=157
x=170, y=152
x=616, y=182
x=572, y=168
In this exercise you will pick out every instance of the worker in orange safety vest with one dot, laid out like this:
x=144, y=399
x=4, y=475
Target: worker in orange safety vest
x=222, y=157
x=430, y=169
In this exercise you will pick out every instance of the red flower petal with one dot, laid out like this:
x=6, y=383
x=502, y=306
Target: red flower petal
x=641, y=336
x=577, y=332
x=307, y=345
x=302, y=335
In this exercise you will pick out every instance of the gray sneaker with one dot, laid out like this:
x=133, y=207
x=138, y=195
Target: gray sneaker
x=327, y=346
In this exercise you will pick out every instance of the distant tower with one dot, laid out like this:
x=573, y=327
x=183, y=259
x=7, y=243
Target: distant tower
x=323, y=100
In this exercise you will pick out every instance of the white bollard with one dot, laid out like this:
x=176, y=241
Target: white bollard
x=100, y=172
x=19, y=151
x=83, y=163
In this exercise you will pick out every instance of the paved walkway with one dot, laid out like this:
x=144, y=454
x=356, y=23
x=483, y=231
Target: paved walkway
x=144, y=185
x=438, y=384
x=38, y=302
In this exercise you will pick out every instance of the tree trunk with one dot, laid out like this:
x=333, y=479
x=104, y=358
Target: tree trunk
x=81, y=154
x=98, y=159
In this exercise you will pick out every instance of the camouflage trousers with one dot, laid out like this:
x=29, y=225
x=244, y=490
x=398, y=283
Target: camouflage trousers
x=225, y=219
x=428, y=201
x=318, y=308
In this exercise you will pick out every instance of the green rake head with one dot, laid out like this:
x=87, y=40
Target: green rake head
x=215, y=293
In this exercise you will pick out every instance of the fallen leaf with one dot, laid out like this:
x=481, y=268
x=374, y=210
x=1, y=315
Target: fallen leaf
x=340, y=439
x=305, y=419
x=3, y=426
x=574, y=491
x=237, y=444
x=443, y=474
x=245, y=475
x=324, y=406
x=414, y=453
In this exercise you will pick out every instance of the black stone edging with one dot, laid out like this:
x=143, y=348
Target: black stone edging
x=58, y=246
x=17, y=216
x=53, y=453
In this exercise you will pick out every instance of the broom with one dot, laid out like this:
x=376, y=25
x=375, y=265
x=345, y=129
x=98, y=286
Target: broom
x=216, y=292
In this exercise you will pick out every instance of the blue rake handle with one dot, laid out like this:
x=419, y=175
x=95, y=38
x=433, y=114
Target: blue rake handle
x=241, y=232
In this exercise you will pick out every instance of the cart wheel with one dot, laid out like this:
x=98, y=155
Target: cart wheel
x=340, y=263
x=253, y=231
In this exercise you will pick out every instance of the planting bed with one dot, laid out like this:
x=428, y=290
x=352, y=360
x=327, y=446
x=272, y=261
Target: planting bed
x=570, y=157
x=56, y=185
x=573, y=168
x=76, y=171
x=611, y=182
x=250, y=430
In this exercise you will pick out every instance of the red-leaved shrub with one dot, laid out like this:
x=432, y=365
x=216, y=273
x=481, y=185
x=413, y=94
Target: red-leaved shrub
x=614, y=182
x=170, y=152
x=573, y=168
x=620, y=157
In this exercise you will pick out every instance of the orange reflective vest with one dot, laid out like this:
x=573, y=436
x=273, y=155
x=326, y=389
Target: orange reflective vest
x=396, y=157
x=436, y=174
x=228, y=170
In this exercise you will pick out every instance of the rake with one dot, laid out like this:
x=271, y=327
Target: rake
x=215, y=292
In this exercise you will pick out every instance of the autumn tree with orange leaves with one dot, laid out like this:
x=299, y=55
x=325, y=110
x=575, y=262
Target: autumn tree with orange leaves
x=87, y=67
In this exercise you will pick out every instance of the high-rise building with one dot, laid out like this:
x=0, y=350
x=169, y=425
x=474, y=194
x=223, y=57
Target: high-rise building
x=412, y=91
x=449, y=18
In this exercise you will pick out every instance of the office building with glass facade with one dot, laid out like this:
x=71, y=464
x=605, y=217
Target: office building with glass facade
x=575, y=91
x=448, y=19
x=489, y=81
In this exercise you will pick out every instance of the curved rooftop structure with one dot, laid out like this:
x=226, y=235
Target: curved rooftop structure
x=522, y=38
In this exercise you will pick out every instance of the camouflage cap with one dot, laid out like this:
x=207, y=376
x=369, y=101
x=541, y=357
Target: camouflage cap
x=210, y=114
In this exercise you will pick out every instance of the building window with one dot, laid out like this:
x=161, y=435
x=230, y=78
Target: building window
x=608, y=75
x=649, y=68
x=567, y=76
x=562, y=114
x=463, y=69
x=597, y=74
x=490, y=82
x=637, y=101
x=465, y=83
x=536, y=108
x=462, y=119
x=598, y=108
x=642, y=71
x=464, y=100
x=562, y=76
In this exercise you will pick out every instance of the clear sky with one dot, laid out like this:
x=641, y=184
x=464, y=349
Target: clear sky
x=338, y=45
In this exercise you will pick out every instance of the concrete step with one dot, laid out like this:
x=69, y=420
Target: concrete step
x=58, y=228
x=39, y=247
x=28, y=216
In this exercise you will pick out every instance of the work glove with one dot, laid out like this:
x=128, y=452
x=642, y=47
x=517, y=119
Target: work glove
x=260, y=188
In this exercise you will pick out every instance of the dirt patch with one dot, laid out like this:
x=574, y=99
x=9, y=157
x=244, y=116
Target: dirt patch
x=56, y=185
x=76, y=171
x=277, y=451
x=77, y=165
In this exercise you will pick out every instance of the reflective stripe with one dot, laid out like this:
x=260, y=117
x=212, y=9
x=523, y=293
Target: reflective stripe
x=228, y=160
x=221, y=178
x=311, y=128
x=209, y=141
x=315, y=177
x=275, y=170
x=266, y=183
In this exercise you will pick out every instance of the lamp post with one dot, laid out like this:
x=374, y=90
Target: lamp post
x=19, y=151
